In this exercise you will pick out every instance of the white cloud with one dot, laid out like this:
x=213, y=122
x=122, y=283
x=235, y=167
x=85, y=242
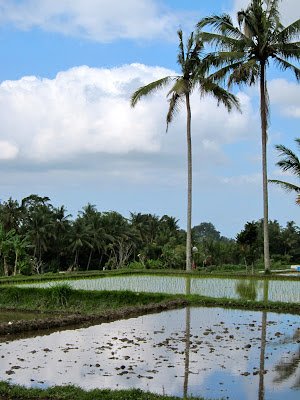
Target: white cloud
x=99, y=20
x=7, y=150
x=85, y=111
x=289, y=9
x=286, y=95
x=241, y=180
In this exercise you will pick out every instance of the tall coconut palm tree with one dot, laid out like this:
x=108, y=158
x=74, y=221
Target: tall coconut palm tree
x=242, y=56
x=193, y=75
x=291, y=163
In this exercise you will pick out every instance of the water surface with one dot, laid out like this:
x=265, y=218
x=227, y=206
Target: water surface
x=210, y=352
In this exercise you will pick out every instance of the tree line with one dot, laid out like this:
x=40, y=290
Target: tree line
x=36, y=237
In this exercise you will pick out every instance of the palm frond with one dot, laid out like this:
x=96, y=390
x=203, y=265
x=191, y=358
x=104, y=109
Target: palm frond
x=223, y=25
x=221, y=58
x=289, y=33
x=245, y=73
x=287, y=51
x=288, y=187
x=181, y=54
x=284, y=65
x=290, y=160
x=223, y=41
x=150, y=88
x=273, y=14
x=207, y=86
x=180, y=87
x=173, y=108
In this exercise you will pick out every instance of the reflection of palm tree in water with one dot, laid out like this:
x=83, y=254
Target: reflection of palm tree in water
x=261, y=389
x=247, y=290
x=286, y=369
x=187, y=341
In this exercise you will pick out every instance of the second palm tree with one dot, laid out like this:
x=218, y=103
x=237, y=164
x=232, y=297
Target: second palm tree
x=193, y=75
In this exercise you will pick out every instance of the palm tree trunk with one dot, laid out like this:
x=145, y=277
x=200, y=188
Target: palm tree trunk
x=189, y=186
x=89, y=260
x=263, y=114
x=16, y=263
x=5, y=266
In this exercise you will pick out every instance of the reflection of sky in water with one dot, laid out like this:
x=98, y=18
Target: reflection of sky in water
x=148, y=353
x=285, y=291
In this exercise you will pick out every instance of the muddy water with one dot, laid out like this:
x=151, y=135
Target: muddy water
x=283, y=291
x=10, y=316
x=208, y=352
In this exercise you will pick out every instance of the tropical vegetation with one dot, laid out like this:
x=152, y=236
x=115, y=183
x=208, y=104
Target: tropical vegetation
x=36, y=237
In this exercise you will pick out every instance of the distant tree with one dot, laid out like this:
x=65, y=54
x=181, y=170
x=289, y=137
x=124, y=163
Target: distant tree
x=290, y=237
x=19, y=246
x=205, y=230
x=79, y=238
x=10, y=214
x=247, y=239
x=4, y=248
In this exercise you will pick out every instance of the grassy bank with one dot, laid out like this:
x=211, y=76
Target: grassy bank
x=62, y=298
x=69, y=307
x=8, y=392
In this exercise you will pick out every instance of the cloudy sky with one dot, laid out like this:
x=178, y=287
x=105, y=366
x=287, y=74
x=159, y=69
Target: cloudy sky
x=68, y=68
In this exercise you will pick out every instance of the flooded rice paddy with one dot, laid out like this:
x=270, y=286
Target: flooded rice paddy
x=210, y=352
x=252, y=289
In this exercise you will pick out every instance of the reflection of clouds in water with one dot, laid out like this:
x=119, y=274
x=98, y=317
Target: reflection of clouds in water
x=148, y=352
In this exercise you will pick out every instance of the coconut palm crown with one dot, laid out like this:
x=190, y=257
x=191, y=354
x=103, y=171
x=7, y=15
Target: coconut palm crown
x=193, y=75
x=291, y=163
x=242, y=55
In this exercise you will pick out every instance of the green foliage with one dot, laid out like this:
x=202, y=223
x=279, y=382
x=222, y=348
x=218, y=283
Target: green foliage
x=64, y=298
x=60, y=294
x=25, y=266
x=174, y=256
x=10, y=295
x=94, y=240
x=205, y=230
x=14, y=392
x=136, y=265
x=154, y=264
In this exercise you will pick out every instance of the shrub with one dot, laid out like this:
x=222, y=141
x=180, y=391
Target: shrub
x=136, y=265
x=61, y=294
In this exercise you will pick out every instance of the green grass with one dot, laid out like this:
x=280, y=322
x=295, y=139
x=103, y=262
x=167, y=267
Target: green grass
x=13, y=392
x=63, y=298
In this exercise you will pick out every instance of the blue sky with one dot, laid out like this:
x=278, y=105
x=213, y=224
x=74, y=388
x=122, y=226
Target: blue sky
x=66, y=129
